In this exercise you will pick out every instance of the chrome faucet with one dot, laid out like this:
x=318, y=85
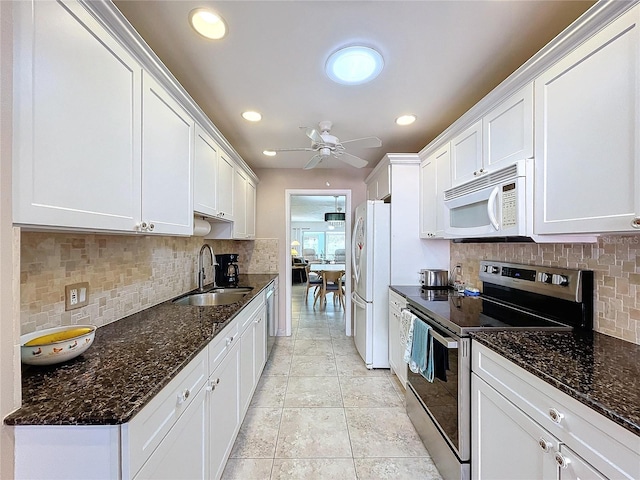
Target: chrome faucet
x=201, y=275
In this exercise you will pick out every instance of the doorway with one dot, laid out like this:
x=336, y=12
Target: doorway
x=318, y=240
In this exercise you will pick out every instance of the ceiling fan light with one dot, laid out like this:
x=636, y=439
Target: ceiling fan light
x=208, y=23
x=404, y=120
x=252, y=116
x=354, y=65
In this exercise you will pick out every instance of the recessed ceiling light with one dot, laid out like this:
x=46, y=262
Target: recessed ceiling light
x=252, y=116
x=208, y=23
x=405, y=120
x=354, y=65
x=269, y=153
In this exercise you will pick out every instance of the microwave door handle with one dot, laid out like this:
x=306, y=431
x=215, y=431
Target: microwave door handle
x=491, y=208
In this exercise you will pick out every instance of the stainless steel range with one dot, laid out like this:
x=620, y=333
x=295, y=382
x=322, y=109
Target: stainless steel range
x=513, y=296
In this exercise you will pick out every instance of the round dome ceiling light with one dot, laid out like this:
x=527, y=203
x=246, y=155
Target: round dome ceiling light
x=354, y=65
x=269, y=153
x=208, y=23
x=405, y=120
x=252, y=116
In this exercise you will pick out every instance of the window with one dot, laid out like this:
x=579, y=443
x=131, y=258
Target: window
x=325, y=244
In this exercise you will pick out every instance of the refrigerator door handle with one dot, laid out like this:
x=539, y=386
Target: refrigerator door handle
x=356, y=299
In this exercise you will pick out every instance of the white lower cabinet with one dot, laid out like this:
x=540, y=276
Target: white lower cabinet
x=523, y=428
x=396, y=348
x=224, y=410
x=186, y=431
x=183, y=452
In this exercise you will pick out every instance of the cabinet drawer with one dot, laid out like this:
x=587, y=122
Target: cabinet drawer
x=149, y=427
x=396, y=301
x=247, y=314
x=222, y=343
x=607, y=446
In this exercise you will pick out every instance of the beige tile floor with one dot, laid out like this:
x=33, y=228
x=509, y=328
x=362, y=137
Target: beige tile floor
x=318, y=413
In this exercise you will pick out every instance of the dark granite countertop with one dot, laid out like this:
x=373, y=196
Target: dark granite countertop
x=130, y=361
x=600, y=371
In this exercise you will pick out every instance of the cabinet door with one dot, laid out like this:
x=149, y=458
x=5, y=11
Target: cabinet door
x=205, y=172
x=183, y=453
x=586, y=147
x=466, y=154
x=167, y=157
x=250, y=213
x=384, y=183
x=428, y=194
x=77, y=121
x=247, y=366
x=507, y=131
x=372, y=189
x=224, y=411
x=443, y=182
x=506, y=443
x=239, y=204
x=226, y=173
x=573, y=467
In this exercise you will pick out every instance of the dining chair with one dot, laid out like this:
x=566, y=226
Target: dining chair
x=331, y=283
x=314, y=279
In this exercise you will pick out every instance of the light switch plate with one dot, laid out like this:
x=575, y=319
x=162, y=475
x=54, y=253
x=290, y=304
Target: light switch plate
x=76, y=295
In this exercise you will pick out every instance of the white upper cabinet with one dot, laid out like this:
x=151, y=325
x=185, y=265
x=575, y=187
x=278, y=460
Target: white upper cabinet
x=77, y=121
x=502, y=136
x=205, y=174
x=244, y=205
x=167, y=157
x=379, y=185
x=435, y=178
x=507, y=131
x=587, y=148
x=466, y=154
x=226, y=178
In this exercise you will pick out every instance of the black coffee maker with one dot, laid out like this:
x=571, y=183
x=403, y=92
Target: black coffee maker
x=227, y=269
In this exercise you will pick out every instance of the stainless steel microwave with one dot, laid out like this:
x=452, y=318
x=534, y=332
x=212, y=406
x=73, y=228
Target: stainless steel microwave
x=497, y=204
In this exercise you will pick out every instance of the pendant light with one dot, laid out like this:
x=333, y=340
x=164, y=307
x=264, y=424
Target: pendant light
x=335, y=218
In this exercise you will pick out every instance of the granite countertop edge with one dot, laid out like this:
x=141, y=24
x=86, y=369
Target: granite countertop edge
x=131, y=360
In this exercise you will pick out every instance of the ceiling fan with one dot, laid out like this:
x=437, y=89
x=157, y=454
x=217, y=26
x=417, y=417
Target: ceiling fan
x=326, y=145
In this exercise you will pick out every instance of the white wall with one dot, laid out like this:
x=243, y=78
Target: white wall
x=9, y=321
x=271, y=221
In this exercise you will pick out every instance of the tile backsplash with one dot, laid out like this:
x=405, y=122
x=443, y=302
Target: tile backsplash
x=126, y=274
x=615, y=260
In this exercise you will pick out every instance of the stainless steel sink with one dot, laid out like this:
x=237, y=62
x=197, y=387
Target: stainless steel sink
x=236, y=290
x=211, y=298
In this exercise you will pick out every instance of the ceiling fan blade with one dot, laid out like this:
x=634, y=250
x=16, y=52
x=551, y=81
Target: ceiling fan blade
x=365, y=142
x=352, y=160
x=314, y=135
x=301, y=149
x=315, y=160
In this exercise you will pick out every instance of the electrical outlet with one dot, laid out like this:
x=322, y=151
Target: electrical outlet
x=76, y=295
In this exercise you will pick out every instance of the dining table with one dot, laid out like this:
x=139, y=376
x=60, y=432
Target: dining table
x=327, y=267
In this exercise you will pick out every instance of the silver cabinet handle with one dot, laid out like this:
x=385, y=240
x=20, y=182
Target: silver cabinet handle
x=561, y=460
x=544, y=445
x=151, y=226
x=211, y=386
x=635, y=223
x=555, y=415
x=182, y=397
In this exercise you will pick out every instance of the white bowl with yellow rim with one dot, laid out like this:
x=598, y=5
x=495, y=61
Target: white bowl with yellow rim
x=56, y=345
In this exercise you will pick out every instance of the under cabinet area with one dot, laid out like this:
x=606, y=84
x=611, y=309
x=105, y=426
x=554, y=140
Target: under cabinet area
x=522, y=427
x=587, y=152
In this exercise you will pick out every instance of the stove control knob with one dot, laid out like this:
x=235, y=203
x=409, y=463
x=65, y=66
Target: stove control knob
x=485, y=268
x=546, y=277
x=561, y=280
x=495, y=269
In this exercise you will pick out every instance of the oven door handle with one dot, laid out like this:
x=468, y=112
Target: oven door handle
x=448, y=342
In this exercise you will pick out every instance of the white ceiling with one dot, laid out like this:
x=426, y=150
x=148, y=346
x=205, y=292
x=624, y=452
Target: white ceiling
x=441, y=57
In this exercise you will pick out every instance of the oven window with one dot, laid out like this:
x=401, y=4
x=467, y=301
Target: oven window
x=441, y=397
x=469, y=216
